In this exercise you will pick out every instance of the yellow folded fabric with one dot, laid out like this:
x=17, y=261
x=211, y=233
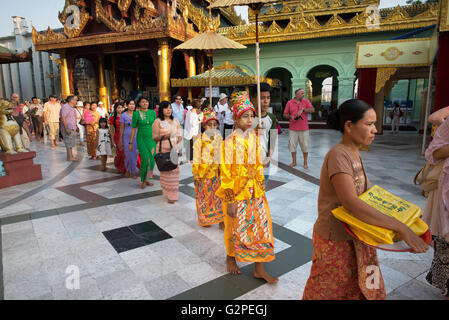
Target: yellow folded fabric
x=388, y=204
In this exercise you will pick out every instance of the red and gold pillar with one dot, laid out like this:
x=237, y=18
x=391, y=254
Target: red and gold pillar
x=192, y=73
x=442, y=83
x=65, y=81
x=114, y=76
x=164, y=70
x=102, y=89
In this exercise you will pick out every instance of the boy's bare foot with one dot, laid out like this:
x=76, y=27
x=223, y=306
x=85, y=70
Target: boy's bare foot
x=231, y=265
x=261, y=273
x=143, y=185
x=171, y=201
x=221, y=226
x=306, y=166
x=293, y=164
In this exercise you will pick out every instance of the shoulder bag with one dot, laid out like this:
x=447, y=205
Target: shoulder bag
x=82, y=121
x=164, y=160
x=427, y=178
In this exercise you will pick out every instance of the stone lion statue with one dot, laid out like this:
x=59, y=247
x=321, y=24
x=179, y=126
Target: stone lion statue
x=9, y=130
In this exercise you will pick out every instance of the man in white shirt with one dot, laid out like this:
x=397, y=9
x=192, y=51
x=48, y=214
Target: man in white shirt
x=224, y=114
x=51, y=118
x=38, y=117
x=102, y=110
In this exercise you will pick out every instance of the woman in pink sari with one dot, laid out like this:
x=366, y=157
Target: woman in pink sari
x=436, y=213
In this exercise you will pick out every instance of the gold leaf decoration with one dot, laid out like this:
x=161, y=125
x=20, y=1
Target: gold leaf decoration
x=383, y=75
x=335, y=22
x=274, y=29
x=104, y=17
x=398, y=14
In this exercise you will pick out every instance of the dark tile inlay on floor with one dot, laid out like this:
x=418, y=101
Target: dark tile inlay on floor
x=135, y=236
x=273, y=184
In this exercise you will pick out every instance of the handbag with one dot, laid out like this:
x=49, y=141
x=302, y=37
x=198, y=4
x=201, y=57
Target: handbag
x=164, y=160
x=428, y=176
x=82, y=121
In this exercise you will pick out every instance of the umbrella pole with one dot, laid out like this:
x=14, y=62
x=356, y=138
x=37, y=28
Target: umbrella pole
x=258, y=69
x=210, y=81
x=426, y=116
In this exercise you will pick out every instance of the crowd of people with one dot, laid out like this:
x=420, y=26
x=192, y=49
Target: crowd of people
x=230, y=148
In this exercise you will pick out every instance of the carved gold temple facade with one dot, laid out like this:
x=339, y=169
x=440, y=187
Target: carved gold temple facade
x=312, y=44
x=127, y=43
x=300, y=20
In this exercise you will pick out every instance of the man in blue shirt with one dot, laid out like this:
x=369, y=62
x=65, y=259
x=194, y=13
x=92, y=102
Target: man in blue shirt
x=178, y=109
x=178, y=113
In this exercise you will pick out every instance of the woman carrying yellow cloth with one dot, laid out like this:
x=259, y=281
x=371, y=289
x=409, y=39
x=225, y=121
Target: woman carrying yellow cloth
x=206, y=171
x=248, y=227
x=344, y=268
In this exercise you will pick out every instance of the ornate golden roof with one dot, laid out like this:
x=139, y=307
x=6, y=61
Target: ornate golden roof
x=138, y=20
x=225, y=75
x=285, y=9
x=305, y=20
x=10, y=56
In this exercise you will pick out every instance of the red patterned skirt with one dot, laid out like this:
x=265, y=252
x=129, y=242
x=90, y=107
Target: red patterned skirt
x=346, y=270
x=208, y=205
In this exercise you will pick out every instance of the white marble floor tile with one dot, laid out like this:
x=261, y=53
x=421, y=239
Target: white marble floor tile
x=167, y=286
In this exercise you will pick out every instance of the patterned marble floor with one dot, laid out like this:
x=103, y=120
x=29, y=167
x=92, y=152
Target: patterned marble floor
x=128, y=243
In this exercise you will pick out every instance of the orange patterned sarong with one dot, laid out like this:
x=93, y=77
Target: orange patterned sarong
x=208, y=205
x=346, y=270
x=91, y=141
x=249, y=236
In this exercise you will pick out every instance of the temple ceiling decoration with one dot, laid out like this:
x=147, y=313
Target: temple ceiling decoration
x=297, y=20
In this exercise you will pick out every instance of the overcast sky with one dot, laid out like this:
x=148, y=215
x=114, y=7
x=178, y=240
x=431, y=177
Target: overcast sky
x=44, y=13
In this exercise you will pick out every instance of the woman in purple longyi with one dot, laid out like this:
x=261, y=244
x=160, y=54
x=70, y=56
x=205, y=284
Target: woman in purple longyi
x=126, y=128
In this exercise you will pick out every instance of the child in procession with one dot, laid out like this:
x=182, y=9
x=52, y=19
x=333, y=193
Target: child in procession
x=104, y=142
x=206, y=172
x=248, y=226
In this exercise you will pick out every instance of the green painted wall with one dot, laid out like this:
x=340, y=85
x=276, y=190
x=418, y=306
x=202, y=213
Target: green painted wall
x=299, y=57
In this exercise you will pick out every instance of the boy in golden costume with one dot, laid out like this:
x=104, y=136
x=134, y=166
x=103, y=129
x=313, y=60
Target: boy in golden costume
x=248, y=227
x=206, y=172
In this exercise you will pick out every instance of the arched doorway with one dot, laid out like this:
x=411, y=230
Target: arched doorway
x=327, y=76
x=280, y=96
